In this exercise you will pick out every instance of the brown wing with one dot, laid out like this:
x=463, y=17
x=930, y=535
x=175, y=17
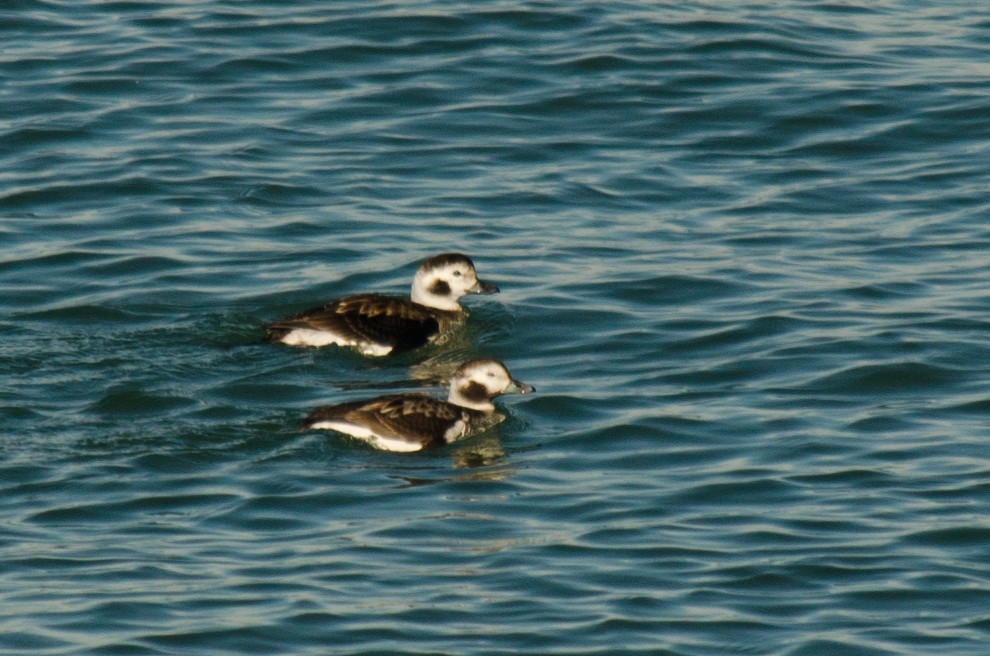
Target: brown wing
x=386, y=320
x=421, y=418
x=408, y=417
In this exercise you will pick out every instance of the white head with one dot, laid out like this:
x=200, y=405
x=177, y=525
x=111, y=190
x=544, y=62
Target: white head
x=477, y=382
x=443, y=279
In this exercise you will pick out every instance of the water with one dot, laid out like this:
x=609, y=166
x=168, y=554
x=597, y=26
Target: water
x=743, y=259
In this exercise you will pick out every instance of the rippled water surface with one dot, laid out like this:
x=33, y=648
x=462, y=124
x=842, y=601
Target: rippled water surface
x=743, y=253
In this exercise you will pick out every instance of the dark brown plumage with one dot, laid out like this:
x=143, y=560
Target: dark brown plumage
x=377, y=324
x=369, y=318
x=421, y=421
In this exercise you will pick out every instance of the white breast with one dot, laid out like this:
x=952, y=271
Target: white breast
x=455, y=431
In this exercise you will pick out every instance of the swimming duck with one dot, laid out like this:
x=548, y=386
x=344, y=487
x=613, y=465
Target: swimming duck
x=412, y=422
x=377, y=324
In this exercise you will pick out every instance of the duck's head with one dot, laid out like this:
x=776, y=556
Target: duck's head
x=477, y=382
x=443, y=279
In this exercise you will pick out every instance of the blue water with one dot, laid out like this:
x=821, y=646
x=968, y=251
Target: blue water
x=743, y=253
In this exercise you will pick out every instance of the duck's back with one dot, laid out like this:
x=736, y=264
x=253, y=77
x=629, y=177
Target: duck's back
x=398, y=422
x=374, y=323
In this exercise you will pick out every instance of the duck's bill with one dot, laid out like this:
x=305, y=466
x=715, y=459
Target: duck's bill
x=482, y=287
x=520, y=388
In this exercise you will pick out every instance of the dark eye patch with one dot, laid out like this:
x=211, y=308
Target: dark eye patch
x=440, y=288
x=475, y=392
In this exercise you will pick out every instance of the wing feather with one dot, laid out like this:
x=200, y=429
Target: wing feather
x=408, y=418
x=366, y=318
x=419, y=418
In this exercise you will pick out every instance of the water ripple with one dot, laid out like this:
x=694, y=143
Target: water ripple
x=742, y=258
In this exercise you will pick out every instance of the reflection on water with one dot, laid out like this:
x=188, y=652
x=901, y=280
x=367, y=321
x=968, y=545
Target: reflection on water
x=482, y=454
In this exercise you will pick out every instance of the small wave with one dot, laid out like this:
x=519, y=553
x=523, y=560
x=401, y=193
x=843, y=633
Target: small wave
x=887, y=378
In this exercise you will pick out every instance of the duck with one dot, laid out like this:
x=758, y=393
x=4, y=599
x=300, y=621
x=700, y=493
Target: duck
x=377, y=324
x=415, y=421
